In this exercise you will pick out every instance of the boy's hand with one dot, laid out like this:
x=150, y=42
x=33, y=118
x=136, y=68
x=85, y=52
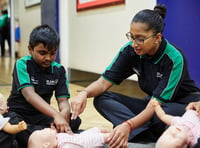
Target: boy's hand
x=62, y=125
x=22, y=125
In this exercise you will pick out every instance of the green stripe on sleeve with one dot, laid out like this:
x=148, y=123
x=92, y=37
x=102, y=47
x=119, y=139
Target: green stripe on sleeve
x=108, y=80
x=176, y=72
x=21, y=68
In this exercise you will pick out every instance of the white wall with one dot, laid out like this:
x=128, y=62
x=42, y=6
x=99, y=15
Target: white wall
x=29, y=18
x=89, y=39
x=96, y=35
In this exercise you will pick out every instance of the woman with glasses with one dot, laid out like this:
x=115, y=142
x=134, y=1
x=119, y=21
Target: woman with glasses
x=162, y=74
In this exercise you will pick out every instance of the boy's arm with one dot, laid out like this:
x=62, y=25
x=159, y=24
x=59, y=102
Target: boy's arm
x=41, y=105
x=13, y=129
x=33, y=98
x=64, y=108
x=62, y=94
x=166, y=118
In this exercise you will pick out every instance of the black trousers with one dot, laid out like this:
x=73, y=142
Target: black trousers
x=118, y=108
x=5, y=37
x=21, y=139
x=198, y=144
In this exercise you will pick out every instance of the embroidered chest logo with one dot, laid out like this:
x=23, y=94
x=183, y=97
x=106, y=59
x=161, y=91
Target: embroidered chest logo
x=159, y=75
x=34, y=81
x=51, y=82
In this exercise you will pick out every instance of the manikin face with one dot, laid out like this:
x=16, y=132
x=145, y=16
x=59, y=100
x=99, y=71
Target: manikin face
x=151, y=39
x=175, y=136
x=3, y=105
x=42, y=56
x=45, y=138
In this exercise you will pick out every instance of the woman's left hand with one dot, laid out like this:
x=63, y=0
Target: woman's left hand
x=119, y=136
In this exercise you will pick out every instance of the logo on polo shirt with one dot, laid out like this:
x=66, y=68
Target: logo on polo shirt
x=159, y=75
x=51, y=82
x=34, y=81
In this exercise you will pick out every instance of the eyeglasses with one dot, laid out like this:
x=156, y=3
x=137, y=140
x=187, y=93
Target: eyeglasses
x=138, y=40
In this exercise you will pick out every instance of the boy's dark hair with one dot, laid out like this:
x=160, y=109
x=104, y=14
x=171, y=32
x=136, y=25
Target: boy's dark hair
x=153, y=18
x=46, y=35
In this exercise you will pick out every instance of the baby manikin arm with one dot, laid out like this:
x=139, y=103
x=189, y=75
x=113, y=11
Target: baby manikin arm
x=13, y=129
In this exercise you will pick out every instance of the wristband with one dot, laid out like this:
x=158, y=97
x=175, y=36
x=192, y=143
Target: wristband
x=129, y=124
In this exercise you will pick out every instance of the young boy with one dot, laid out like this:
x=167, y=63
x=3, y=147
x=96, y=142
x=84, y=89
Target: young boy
x=36, y=78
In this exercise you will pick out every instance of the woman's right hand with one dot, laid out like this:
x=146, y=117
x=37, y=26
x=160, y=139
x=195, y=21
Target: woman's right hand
x=119, y=137
x=78, y=104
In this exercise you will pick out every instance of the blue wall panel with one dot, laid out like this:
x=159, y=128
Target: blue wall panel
x=50, y=16
x=183, y=29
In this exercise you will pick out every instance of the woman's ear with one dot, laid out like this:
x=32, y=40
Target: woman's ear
x=158, y=38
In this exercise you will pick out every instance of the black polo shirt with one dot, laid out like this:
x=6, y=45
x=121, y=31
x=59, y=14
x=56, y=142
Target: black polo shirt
x=46, y=83
x=163, y=76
